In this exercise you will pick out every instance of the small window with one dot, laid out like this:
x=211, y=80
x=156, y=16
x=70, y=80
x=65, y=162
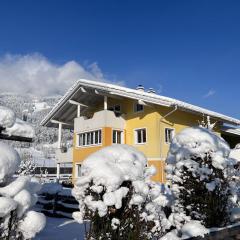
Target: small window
x=115, y=108
x=78, y=170
x=90, y=138
x=117, y=136
x=138, y=107
x=169, y=134
x=140, y=136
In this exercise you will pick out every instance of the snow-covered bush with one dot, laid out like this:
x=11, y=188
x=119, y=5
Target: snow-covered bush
x=200, y=172
x=17, y=194
x=7, y=117
x=27, y=165
x=117, y=197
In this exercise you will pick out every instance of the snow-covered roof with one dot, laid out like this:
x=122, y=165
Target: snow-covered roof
x=231, y=130
x=115, y=90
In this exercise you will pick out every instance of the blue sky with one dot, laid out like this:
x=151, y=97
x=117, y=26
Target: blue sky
x=189, y=50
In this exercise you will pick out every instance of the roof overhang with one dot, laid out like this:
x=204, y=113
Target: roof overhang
x=230, y=130
x=89, y=93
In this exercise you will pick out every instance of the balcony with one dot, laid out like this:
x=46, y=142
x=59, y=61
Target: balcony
x=104, y=118
x=64, y=155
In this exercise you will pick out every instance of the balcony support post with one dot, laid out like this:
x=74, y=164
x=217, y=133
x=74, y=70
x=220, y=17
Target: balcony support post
x=59, y=135
x=78, y=110
x=58, y=172
x=105, y=103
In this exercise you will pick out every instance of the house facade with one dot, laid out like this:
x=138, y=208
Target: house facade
x=102, y=114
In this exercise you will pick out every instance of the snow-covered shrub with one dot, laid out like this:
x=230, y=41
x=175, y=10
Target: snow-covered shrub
x=118, y=199
x=27, y=165
x=17, y=194
x=199, y=169
x=7, y=117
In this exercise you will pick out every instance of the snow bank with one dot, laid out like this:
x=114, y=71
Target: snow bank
x=20, y=128
x=193, y=229
x=32, y=224
x=9, y=161
x=7, y=117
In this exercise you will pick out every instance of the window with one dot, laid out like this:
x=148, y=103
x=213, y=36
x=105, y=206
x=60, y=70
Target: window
x=140, y=136
x=90, y=138
x=117, y=137
x=78, y=169
x=169, y=134
x=138, y=107
x=116, y=109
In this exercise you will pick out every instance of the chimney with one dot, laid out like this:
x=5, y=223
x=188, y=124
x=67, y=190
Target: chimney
x=151, y=90
x=140, y=88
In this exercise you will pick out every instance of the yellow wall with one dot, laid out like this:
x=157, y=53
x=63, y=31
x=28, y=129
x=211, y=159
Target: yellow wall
x=80, y=153
x=152, y=118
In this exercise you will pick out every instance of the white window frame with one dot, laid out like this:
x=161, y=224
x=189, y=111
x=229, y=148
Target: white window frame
x=134, y=104
x=86, y=133
x=168, y=128
x=135, y=135
x=122, y=135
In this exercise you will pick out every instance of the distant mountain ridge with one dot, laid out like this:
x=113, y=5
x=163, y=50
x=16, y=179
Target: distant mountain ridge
x=33, y=109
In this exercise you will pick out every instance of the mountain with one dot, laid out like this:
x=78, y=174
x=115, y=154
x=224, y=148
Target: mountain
x=33, y=109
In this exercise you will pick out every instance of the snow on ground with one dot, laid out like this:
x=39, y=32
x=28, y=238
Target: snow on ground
x=61, y=229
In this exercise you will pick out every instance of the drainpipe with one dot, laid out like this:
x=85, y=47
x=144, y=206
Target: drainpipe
x=59, y=147
x=161, y=137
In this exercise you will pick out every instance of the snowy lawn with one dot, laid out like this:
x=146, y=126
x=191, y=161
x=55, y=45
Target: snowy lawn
x=61, y=229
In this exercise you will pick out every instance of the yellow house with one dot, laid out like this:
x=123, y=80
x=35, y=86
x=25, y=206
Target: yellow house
x=101, y=114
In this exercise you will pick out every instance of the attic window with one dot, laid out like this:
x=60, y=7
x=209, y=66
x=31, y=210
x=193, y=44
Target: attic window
x=138, y=107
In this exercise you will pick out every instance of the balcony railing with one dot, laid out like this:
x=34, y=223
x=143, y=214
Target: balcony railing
x=104, y=118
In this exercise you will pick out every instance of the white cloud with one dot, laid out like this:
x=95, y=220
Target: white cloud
x=209, y=94
x=35, y=74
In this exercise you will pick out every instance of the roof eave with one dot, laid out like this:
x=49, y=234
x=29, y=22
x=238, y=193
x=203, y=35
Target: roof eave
x=151, y=98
